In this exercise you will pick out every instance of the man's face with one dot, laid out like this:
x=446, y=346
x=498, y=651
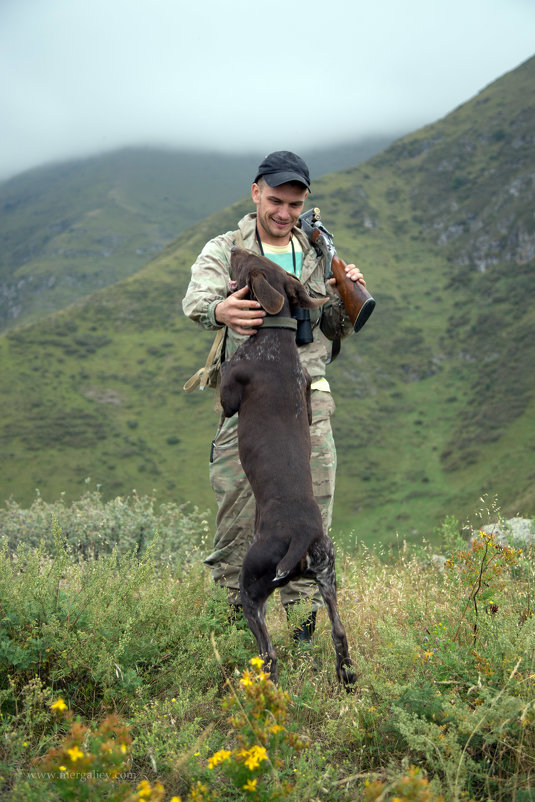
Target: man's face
x=278, y=209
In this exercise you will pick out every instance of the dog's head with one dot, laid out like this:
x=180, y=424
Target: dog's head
x=268, y=283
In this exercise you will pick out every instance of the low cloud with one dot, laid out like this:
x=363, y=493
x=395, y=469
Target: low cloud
x=87, y=77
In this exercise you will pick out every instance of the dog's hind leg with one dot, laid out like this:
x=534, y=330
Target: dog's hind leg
x=325, y=579
x=255, y=615
x=344, y=665
x=256, y=586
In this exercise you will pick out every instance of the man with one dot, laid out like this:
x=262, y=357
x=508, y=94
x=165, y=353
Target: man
x=278, y=192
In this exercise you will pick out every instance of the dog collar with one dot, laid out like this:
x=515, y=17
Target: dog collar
x=279, y=323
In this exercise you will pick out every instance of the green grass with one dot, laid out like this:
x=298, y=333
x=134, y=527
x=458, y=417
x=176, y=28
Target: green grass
x=137, y=643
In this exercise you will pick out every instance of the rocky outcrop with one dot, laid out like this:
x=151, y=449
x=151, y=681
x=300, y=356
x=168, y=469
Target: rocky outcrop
x=513, y=532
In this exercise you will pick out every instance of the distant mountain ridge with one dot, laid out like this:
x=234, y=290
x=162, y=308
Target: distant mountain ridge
x=71, y=228
x=435, y=396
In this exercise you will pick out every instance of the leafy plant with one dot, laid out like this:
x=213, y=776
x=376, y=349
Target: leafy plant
x=264, y=744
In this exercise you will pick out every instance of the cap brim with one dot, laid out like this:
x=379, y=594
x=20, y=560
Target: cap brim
x=276, y=179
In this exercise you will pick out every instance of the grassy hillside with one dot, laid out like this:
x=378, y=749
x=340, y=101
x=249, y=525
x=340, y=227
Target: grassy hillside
x=435, y=396
x=72, y=228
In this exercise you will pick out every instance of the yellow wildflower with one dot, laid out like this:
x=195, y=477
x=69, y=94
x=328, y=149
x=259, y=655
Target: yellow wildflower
x=254, y=756
x=256, y=662
x=250, y=785
x=123, y=749
x=198, y=792
x=59, y=704
x=63, y=768
x=275, y=728
x=75, y=753
x=144, y=790
x=218, y=757
x=246, y=679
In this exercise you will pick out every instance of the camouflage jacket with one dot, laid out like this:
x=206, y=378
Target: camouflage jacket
x=209, y=285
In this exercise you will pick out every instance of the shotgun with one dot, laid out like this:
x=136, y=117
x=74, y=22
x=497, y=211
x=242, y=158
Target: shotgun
x=357, y=301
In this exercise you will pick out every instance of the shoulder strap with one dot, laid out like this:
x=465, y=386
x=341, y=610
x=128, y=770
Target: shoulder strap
x=238, y=242
x=200, y=377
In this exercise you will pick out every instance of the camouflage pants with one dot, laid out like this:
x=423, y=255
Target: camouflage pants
x=236, y=503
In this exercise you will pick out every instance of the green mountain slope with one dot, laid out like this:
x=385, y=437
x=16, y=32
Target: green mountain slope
x=435, y=396
x=69, y=229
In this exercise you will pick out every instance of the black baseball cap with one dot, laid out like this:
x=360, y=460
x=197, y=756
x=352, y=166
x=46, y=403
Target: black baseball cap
x=283, y=166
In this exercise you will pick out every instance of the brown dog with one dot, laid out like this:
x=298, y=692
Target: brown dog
x=265, y=382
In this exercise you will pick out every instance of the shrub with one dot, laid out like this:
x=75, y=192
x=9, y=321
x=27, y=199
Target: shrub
x=91, y=527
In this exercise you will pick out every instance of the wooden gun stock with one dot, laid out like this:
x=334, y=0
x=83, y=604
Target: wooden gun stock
x=357, y=301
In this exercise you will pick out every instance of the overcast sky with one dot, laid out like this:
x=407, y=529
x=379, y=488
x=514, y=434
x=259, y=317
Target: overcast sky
x=85, y=76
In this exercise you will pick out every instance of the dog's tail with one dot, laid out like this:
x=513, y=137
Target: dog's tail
x=295, y=553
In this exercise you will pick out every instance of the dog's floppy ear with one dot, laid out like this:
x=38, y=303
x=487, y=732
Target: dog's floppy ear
x=298, y=296
x=268, y=298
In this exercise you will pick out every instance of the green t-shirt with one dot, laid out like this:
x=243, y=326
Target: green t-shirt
x=283, y=255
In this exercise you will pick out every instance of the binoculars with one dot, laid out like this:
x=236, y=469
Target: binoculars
x=303, y=334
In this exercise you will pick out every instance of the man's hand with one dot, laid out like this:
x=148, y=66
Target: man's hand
x=240, y=314
x=352, y=272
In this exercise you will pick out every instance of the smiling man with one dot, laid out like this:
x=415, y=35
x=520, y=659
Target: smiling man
x=279, y=192
x=278, y=206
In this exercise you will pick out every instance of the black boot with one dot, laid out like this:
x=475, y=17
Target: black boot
x=304, y=631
